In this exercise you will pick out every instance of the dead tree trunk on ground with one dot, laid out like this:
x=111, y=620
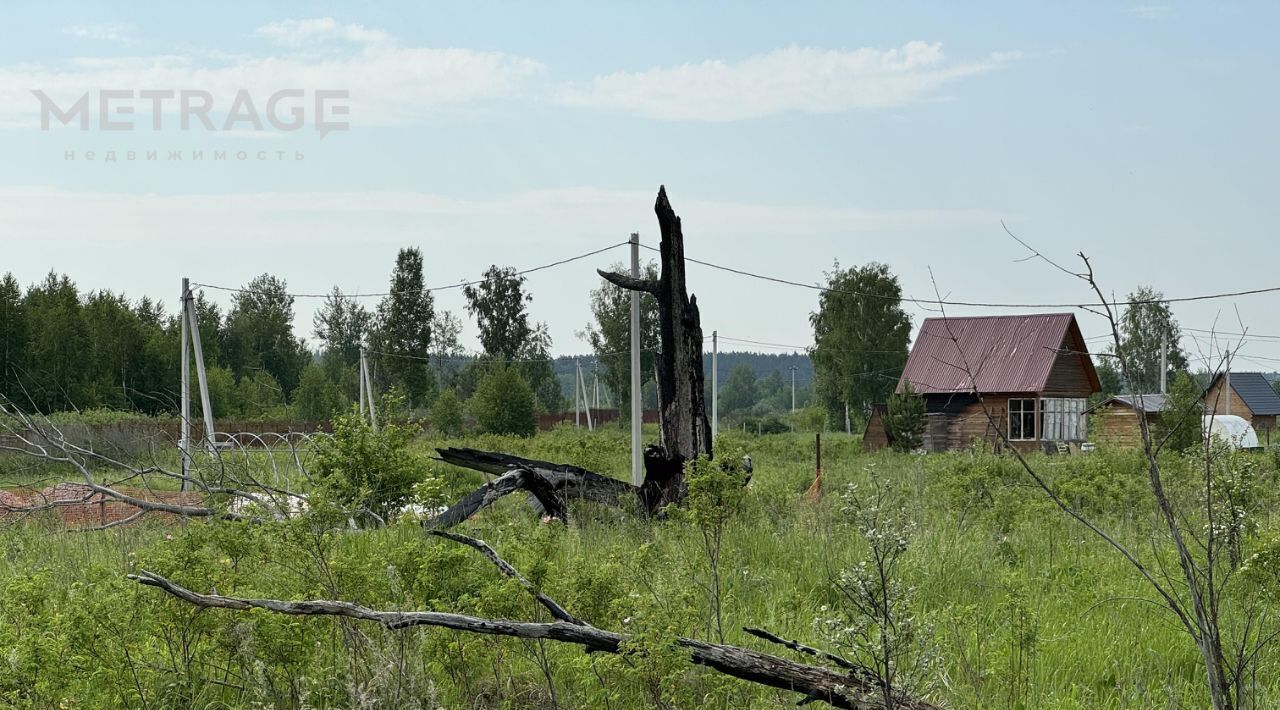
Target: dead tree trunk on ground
x=854, y=686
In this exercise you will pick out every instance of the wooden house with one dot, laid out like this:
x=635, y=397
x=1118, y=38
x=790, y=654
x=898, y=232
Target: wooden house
x=1249, y=396
x=1114, y=422
x=1028, y=376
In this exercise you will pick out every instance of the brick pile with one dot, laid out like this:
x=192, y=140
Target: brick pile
x=78, y=506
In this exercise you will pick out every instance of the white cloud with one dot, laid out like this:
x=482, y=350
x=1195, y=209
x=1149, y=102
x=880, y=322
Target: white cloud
x=117, y=32
x=389, y=84
x=795, y=79
x=393, y=84
x=1149, y=12
x=299, y=33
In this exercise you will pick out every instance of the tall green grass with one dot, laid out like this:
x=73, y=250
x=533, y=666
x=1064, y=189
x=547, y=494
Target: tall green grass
x=1027, y=609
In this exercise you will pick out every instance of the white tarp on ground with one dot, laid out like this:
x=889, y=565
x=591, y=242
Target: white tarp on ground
x=1232, y=429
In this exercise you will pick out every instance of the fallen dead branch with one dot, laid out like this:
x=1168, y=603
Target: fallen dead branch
x=854, y=687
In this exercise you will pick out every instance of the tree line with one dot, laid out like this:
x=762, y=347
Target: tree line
x=64, y=349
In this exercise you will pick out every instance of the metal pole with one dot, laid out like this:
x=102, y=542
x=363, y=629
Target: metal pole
x=715, y=385
x=193, y=327
x=184, y=438
x=637, y=411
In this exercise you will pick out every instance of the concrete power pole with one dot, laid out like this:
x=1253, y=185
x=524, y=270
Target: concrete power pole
x=1164, y=363
x=637, y=411
x=577, y=395
x=1227, y=391
x=184, y=438
x=366, y=386
x=793, y=398
x=715, y=386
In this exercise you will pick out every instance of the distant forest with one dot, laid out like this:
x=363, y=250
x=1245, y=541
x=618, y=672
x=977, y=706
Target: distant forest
x=761, y=365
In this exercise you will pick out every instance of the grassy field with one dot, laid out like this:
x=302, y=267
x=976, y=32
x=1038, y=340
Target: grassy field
x=1013, y=604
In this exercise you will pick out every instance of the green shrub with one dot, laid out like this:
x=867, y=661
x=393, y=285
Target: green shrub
x=503, y=402
x=446, y=413
x=360, y=469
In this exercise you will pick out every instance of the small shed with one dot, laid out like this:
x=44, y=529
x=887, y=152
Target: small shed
x=1114, y=422
x=1249, y=396
x=876, y=435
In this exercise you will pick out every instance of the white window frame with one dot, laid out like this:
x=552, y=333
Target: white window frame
x=1061, y=418
x=1022, y=414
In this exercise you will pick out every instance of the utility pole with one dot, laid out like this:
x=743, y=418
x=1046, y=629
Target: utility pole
x=1228, y=390
x=577, y=394
x=193, y=328
x=189, y=327
x=637, y=411
x=715, y=386
x=582, y=387
x=1164, y=363
x=793, y=398
x=366, y=383
x=361, y=378
x=184, y=438
x=595, y=377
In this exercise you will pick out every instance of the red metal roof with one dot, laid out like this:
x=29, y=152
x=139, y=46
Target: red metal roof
x=1005, y=354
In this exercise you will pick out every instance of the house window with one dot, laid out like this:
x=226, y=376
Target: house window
x=1022, y=419
x=1061, y=418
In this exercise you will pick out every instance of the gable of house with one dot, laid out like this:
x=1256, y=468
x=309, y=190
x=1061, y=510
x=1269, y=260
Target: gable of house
x=1036, y=353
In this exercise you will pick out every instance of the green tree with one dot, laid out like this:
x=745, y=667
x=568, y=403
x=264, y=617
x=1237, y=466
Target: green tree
x=341, y=325
x=446, y=348
x=738, y=393
x=1108, y=375
x=59, y=342
x=446, y=413
x=116, y=344
x=222, y=394
x=610, y=335
x=860, y=335
x=1148, y=324
x=503, y=402
x=499, y=305
x=905, y=420
x=13, y=339
x=317, y=398
x=404, y=329
x=258, y=394
x=259, y=333
x=1180, y=426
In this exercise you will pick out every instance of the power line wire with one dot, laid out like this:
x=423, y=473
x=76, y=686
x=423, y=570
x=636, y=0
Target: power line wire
x=462, y=284
x=974, y=304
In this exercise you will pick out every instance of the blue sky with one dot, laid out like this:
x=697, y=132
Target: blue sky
x=788, y=135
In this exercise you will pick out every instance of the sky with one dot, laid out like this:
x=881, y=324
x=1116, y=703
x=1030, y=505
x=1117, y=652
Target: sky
x=789, y=136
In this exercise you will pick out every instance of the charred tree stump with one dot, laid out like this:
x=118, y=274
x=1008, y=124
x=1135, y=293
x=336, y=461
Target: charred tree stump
x=685, y=432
